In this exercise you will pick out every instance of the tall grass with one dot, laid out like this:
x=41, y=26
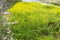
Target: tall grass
x=36, y=21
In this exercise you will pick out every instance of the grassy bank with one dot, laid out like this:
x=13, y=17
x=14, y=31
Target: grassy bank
x=35, y=21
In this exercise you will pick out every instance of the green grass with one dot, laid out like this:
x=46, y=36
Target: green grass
x=35, y=20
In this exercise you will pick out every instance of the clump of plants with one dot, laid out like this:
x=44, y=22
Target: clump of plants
x=35, y=21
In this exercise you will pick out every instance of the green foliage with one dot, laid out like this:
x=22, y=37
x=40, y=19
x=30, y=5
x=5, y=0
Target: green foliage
x=34, y=20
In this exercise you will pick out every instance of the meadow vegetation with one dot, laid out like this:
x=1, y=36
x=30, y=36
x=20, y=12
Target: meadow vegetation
x=36, y=21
